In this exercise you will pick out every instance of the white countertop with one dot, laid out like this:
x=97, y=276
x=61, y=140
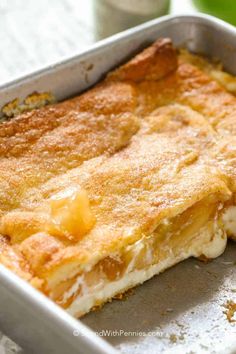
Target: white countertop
x=36, y=33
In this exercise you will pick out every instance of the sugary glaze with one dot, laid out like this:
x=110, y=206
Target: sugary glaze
x=146, y=157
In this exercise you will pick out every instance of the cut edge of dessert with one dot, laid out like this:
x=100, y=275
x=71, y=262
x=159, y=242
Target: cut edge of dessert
x=200, y=231
x=173, y=241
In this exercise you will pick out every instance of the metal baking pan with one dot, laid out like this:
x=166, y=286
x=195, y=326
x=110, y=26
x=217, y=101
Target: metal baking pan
x=179, y=311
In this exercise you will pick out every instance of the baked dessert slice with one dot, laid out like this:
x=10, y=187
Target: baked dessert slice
x=103, y=191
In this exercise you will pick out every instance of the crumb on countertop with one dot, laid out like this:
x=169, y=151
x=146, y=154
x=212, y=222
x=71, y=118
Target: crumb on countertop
x=230, y=310
x=174, y=338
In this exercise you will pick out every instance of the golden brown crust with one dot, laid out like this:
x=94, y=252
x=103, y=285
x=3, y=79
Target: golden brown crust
x=153, y=63
x=145, y=144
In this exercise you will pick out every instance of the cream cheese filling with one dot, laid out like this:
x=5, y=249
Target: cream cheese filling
x=204, y=243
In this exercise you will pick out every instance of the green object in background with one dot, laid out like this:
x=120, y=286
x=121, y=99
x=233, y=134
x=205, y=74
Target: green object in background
x=224, y=9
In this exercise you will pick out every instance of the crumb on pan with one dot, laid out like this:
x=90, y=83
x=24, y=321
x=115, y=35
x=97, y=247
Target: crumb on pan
x=32, y=101
x=167, y=311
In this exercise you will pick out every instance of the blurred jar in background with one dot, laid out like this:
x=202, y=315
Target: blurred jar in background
x=112, y=16
x=224, y=9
